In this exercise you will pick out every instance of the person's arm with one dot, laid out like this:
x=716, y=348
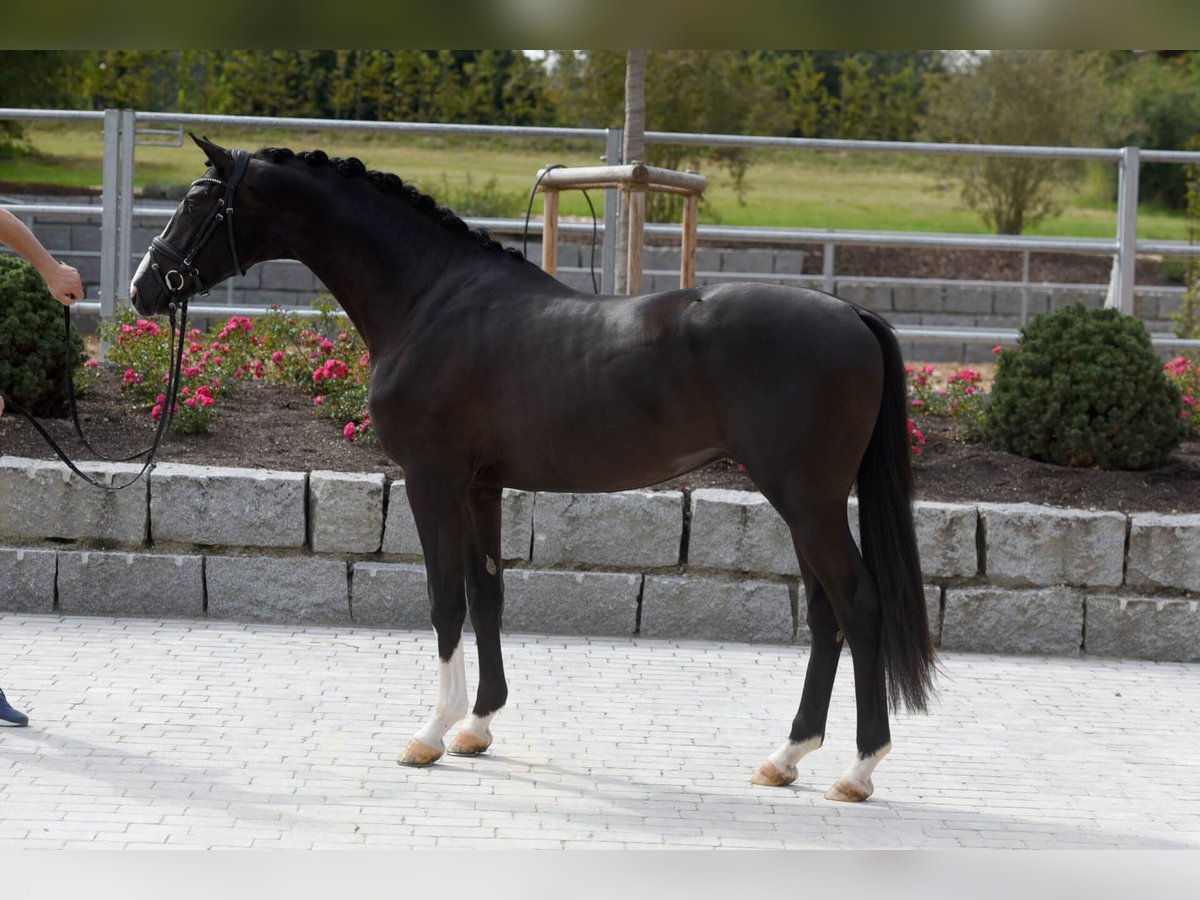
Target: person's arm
x=62, y=280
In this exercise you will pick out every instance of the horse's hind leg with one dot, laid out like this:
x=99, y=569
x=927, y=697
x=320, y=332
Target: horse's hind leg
x=808, y=728
x=826, y=544
x=485, y=600
x=437, y=506
x=827, y=550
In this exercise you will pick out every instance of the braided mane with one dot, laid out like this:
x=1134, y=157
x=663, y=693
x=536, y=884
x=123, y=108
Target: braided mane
x=387, y=183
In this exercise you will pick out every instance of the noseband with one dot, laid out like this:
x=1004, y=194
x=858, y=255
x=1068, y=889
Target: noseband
x=173, y=280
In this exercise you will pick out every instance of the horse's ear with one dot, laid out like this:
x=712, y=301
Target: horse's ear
x=217, y=157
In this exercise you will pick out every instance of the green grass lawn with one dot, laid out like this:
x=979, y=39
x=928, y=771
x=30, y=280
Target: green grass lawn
x=803, y=189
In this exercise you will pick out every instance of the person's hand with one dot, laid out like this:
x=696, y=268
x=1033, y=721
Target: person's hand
x=64, y=284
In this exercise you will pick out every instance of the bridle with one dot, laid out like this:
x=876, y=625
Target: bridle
x=172, y=282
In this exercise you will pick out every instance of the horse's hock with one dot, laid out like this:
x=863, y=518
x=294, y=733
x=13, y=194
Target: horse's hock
x=329, y=547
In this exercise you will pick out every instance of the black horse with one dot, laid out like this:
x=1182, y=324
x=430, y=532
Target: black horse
x=487, y=373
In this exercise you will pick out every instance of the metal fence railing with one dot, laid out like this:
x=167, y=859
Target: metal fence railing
x=120, y=208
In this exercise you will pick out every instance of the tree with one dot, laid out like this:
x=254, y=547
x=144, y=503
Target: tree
x=29, y=78
x=686, y=90
x=1017, y=97
x=633, y=149
x=1163, y=97
x=808, y=99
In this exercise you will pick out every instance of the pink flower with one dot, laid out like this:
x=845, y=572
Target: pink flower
x=206, y=400
x=348, y=431
x=917, y=403
x=190, y=402
x=132, y=377
x=318, y=400
x=156, y=412
x=92, y=364
x=277, y=357
x=997, y=349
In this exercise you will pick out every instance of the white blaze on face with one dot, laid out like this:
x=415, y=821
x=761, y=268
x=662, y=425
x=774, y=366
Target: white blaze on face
x=452, y=700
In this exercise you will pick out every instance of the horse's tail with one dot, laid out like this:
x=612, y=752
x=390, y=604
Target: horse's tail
x=888, y=536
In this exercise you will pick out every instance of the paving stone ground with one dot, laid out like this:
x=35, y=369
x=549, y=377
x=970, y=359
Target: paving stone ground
x=150, y=733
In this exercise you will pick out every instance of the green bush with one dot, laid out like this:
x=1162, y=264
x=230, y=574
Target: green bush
x=1084, y=388
x=33, y=354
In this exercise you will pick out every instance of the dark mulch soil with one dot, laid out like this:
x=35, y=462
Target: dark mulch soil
x=269, y=427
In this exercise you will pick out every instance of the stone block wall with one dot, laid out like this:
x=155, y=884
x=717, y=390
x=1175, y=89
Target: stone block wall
x=329, y=547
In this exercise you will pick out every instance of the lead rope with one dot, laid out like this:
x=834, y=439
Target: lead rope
x=164, y=421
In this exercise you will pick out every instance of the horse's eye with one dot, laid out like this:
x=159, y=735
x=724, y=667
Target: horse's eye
x=189, y=205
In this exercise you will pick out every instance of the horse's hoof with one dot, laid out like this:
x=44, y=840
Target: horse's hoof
x=467, y=744
x=419, y=754
x=773, y=776
x=848, y=791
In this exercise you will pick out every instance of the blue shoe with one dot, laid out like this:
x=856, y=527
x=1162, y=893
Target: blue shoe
x=10, y=716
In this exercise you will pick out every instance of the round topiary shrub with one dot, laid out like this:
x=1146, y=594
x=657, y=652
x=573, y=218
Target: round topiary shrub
x=1084, y=388
x=33, y=354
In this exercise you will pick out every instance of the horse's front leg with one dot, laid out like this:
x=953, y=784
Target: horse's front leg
x=437, y=505
x=485, y=599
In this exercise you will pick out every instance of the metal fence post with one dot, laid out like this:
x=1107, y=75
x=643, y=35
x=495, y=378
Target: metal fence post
x=827, y=264
x=1127, y=210
x=612, y=212
x=108, y=213
x=125, y=215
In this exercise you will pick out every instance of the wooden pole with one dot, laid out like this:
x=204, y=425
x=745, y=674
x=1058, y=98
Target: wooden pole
x=634, y=148
x=550, y=233
x=687, y=251
x=637, y=223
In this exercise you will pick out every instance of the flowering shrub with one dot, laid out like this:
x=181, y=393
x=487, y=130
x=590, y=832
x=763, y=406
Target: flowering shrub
x=916, y=438
x=1185, y=375
x=87, y=375
x=330, y=360
x=141, y=351
x=963, y=399
x=325, y=356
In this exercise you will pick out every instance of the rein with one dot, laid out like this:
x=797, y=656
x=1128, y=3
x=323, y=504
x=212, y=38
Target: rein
x=172, y=283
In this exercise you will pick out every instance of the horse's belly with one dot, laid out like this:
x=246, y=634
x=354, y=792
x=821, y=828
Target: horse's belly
x=598, y=467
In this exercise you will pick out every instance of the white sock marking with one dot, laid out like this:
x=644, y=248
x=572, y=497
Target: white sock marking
x=451, y=703
x=478, y=726
x=859, y=771
x=786, y=757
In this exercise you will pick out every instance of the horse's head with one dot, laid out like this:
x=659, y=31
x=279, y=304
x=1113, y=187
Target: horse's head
x=199, y=247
